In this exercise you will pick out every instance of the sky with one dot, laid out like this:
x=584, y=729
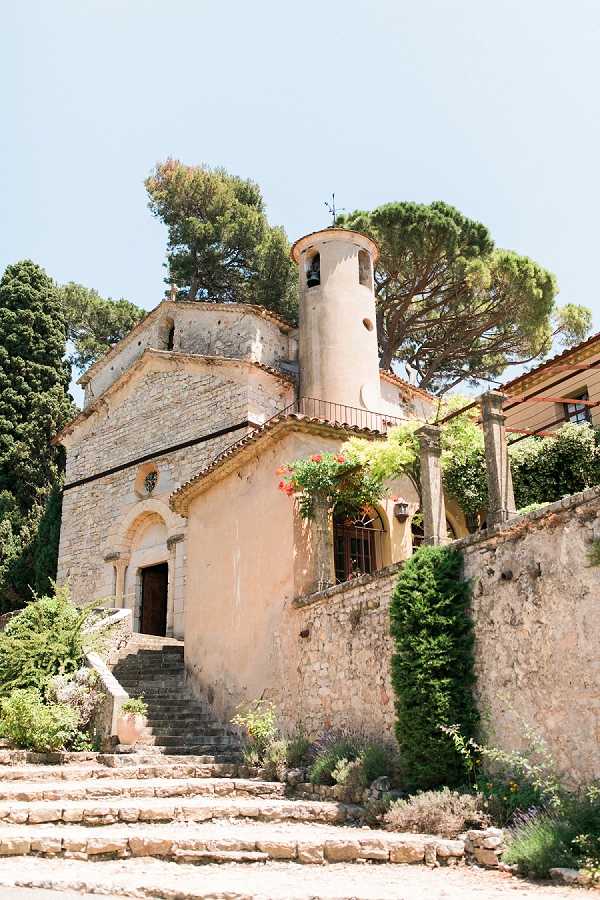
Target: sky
x=489, y=106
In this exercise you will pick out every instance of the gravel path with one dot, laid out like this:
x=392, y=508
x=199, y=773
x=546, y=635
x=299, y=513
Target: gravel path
x=275, y=881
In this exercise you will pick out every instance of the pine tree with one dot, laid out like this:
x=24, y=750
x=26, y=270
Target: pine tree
x=432, y=666
x=34, y=404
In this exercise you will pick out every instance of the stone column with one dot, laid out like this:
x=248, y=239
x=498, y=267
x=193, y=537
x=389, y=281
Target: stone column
x=322, y=546
x=121, y=569
x=432, y=492
x=501, y=503
x=175, y=594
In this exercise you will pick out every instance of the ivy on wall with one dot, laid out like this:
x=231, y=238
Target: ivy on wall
x=432, y=666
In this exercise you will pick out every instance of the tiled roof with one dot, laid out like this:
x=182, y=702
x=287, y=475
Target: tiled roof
x=278, y=424
x=395, y=379
x=587, y=345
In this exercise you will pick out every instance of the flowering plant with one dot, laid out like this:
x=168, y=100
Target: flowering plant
x=344, y=484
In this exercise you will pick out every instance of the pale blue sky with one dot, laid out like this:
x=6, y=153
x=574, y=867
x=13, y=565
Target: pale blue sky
x=490, y=106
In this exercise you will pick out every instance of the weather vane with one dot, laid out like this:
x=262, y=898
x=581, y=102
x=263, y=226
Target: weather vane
x=333, y=212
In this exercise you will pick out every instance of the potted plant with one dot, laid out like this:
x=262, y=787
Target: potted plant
x=132, y=720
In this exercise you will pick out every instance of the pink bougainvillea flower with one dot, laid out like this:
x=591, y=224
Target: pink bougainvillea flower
x=282, y=485
x=316, y=457
x=340, y=459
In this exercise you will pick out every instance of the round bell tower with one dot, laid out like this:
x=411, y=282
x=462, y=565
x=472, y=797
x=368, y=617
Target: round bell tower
x=338, y=352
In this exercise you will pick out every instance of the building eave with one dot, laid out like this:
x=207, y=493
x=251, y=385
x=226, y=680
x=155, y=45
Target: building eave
x=233, y=457
x=166, y=355
x=579, y=353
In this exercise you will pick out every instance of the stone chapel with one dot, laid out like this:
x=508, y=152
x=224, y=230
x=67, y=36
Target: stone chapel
x=170, y=504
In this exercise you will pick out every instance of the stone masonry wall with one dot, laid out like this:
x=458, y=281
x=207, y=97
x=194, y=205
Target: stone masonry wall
x=536, y=607
x=159, y=409
x=339, y=649
x=228, y=330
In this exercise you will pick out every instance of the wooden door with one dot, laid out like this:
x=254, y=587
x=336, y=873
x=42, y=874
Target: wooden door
x=154, y=599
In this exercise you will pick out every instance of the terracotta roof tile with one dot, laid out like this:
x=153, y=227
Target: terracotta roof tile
x=588, y=344
x=178, y=497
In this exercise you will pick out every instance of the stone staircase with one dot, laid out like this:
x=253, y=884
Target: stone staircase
x=139, y=824
x=178, y=722
x=187, y=810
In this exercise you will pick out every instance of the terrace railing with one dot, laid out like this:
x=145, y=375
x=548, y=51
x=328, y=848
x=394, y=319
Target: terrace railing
x=340, y=414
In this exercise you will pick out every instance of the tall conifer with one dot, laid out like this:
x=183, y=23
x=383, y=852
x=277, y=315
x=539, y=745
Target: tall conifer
x=34, y=404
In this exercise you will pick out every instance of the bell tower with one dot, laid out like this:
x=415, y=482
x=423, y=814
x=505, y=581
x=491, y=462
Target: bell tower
x=338, y=352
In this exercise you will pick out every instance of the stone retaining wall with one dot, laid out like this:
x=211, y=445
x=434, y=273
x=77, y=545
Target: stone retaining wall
x=536, y=605
x=339, y=649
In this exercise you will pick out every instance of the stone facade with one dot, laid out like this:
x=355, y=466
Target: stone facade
x=535, y=606
x=231, y=330
x=112, y=525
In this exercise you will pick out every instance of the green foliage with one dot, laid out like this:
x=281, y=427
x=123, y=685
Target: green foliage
x=463, y=464
x=594, y=553
x=258, y=720
x=443, y=812
x=568, y=836
x=94, y=324
x=221, y=247
x=452, y=306
x=351, y=760
x=44, y=639
x=30, y=723
x=432, y=666
x=546, y=469
x=297, y=749
x=543, y=469
x=34, y=405
x=330, y=755
x=135, y=706
x=352, y=480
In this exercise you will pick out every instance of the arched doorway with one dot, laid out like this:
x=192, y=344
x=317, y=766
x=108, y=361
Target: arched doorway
x=148, y=574
x=357, y=545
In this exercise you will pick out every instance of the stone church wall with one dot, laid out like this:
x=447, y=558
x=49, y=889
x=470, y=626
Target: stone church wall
x=157, y=410
x=536, y=611
x=231, y=330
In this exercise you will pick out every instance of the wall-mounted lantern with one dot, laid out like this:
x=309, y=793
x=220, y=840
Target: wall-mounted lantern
x=401, y=510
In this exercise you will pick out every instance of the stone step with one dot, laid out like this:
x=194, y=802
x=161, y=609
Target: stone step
x=183, y=739
x=123, y=786
x=111, y=810
x=145, y=877
x=133, y=765
x=216, y=842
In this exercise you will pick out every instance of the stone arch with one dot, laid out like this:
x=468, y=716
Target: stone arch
x=130, y=553
x=122, y=535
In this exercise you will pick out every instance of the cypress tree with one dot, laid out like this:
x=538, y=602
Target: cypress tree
x=432, y=666
x=34, y=404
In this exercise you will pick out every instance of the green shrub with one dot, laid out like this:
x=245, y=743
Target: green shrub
x=135, y=706
x=327, y=755
x=432, y=666
x=567, y=835
x=29, y=723
x=275, y=759
x=258, y=720
x=443, y=812
x=46, y=638
x=297, y=749
x=379, y=760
